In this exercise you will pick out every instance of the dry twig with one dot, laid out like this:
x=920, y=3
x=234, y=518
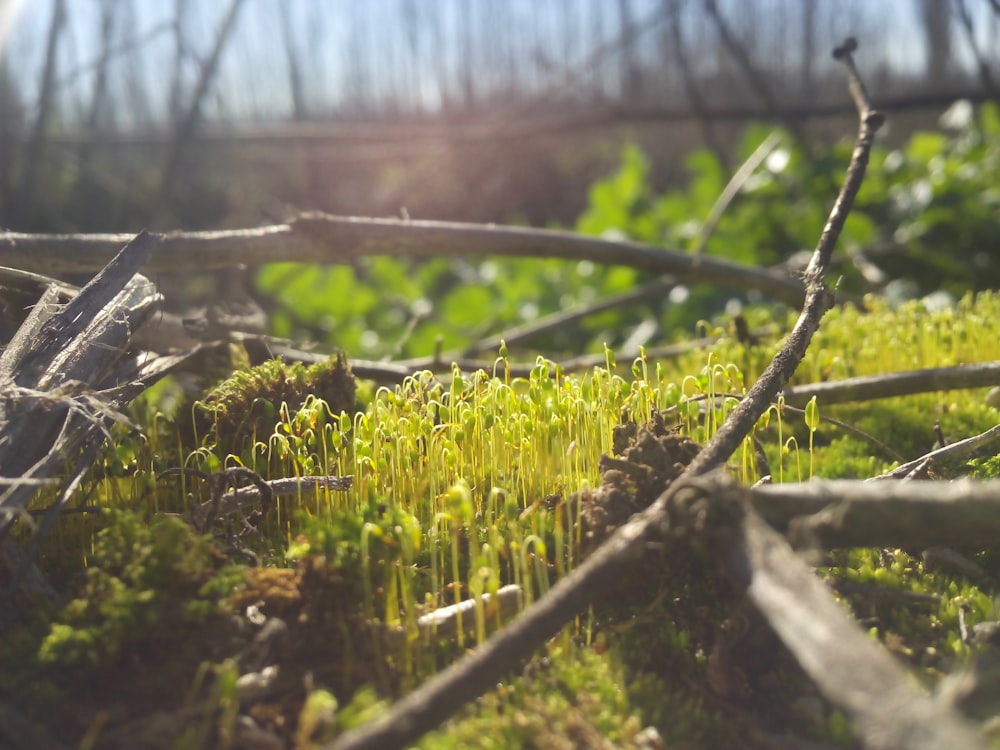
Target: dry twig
x=955, y=450
x=52, y=373
x=871, y=387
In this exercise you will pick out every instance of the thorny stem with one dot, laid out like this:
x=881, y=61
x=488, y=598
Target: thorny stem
x=443, y=695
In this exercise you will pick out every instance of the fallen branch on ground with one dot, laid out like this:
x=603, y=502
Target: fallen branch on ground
x=321, y=238
x=869, y=388
x=853, y=671
x=955, y=450
x=829, y=514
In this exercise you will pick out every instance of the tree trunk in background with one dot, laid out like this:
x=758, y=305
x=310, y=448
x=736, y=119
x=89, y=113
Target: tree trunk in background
x=88, y=190
x=32, y=165
x=936, y=15
x=11, y=118
x=808, y=92
x=631, y=68
x=186, y=126
x=294, y=61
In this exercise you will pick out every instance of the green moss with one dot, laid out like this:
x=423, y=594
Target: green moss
x=244, y=408
x=987, y=467
x=926, y=633
x=462, y=486
x=573, y=697
x=143, y=582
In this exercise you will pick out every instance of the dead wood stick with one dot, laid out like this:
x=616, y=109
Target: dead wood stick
x=873, y=387
x=234, y=501
x=445, y=622
x=656, y=289
x=57, y=350
x=954, y=450
x=851, y=669
x=682, y=514
x=732, y=189
x=321, y=238
x=915, y=515
x=52, y=373
x=265, y=347
x=372, y=141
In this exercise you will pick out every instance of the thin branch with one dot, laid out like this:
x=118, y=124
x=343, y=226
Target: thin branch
x=851, y=429
x=819, y=299
x=955, y=450
x=732, y=189
x=446, y=622
x=657, y=288
x=845, y=426
x=387, y=373
x=107, y=54
x=871, y=387
x=233, y=501
x=321, y=238
x=675, y=513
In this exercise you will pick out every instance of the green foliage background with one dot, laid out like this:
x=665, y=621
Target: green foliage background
x=926, y=217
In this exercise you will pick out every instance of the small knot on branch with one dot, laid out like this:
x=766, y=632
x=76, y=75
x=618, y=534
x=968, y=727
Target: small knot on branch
x=850, y=45
x=874, y=119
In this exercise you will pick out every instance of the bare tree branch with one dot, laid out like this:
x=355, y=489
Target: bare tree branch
x=732, y=189
x=108, y=53
x=321, y=238
x=871, y=387
x=955, y=450
x=657, y=288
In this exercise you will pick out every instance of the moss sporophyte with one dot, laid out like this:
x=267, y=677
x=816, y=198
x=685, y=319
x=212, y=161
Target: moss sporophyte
x=461, y=488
